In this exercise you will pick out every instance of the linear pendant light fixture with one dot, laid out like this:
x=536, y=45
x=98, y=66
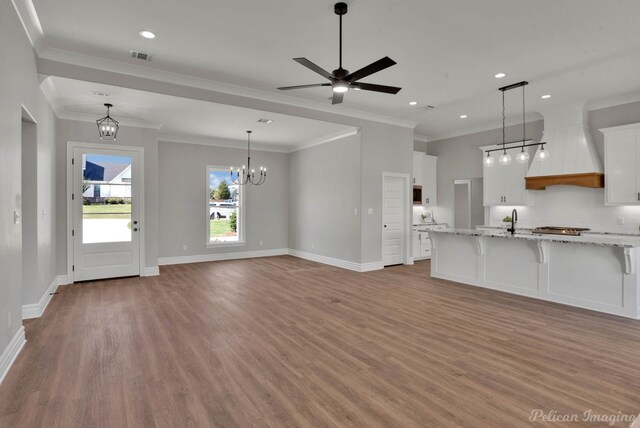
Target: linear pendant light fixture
x=522, y=156
x=108, y=127
x=248, y=175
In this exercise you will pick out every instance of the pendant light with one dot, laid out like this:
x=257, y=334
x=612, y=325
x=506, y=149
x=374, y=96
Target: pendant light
x=505, y=158
x=107, y=127
x=522, y=156
x=247, y=175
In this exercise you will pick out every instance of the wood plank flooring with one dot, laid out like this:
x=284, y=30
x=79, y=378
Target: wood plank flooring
x=281, y=342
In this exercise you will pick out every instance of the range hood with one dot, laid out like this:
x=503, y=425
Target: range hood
x=574, y=160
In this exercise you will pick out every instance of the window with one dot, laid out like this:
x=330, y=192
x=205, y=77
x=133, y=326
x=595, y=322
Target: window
x=224, y=208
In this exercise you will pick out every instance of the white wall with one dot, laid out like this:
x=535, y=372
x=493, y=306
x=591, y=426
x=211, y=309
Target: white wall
x=325, y=199
x=182, y=199
x=19, y=87
x=87, y=132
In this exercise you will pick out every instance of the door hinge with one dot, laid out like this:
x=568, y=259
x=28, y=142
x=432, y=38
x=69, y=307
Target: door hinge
x=73, y=268
x=73, y=161
x=73, y=233
x=73, y=197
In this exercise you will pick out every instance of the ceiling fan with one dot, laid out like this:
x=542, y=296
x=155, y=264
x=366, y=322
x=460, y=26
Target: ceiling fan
x=340, y=79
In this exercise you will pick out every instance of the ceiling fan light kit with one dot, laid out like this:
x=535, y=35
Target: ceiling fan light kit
x=340, y=79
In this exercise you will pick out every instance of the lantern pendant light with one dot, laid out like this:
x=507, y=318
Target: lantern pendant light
x=107, y=126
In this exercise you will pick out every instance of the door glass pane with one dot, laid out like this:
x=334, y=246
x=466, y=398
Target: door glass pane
x=106, y=198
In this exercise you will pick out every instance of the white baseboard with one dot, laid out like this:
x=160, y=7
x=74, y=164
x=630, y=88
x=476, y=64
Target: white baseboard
x=35, y=310
x=222, y=256
x=63, y=280
x=344, y=264
x=11, y=352
x=151, y=271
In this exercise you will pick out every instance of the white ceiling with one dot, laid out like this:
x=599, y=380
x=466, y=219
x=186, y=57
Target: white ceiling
x=447, y=51
x=177, y=118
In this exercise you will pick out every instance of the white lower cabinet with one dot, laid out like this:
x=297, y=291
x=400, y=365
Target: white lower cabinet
x=422, y=241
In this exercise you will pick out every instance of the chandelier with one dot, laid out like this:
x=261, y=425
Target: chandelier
x=247, y=175
x=107, y=127
x=522, y=157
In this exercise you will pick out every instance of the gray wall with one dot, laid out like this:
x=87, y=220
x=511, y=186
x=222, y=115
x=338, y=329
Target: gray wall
x=325, y=193
x=86, y=132
x=385, y=148
x=182, y=199
x=19, y=87
x=461, y=158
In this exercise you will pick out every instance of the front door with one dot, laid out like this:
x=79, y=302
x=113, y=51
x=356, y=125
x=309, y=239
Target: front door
x=393, y=220
x=106, y=221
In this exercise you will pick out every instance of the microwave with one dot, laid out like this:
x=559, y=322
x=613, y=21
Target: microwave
x=417, y=195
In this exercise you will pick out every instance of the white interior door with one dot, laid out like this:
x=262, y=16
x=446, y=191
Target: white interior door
x=393, y=217
x=106, y=220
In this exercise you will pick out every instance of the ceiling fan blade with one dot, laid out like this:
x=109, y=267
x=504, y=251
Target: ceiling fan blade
x=374, y=67
x=377, y=88
x=314, y=85
x=313, y=67
x=337, y=97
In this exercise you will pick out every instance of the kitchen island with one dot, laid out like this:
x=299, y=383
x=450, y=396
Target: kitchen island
x=597, y=272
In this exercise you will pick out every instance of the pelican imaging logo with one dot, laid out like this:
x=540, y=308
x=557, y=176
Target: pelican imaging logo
x=588, y=416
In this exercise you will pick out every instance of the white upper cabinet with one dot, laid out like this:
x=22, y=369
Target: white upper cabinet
x=622, y=165
x=417, y=168
x=504, y=184
x=425, y=174
x=430, y=180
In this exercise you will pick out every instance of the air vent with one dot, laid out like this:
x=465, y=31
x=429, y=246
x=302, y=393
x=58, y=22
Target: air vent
x=265, y=120
x=429, y=107
x=140, y=55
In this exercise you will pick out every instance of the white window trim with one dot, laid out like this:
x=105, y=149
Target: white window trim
x=241, y=236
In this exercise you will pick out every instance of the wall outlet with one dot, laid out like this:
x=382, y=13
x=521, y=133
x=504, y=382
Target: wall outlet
x=620, y=220
x=184, y=247
x=261, y=243
x=16, y=217
x=313, y=245
x=355, y=211
x=9, y=320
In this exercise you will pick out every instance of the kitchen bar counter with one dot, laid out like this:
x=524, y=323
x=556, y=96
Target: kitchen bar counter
x=623, y=241
x=597, y=272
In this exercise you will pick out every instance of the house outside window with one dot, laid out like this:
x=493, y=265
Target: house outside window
x=225, y=209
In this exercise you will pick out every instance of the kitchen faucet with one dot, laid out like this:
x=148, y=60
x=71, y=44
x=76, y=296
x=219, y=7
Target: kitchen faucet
x=514, y=219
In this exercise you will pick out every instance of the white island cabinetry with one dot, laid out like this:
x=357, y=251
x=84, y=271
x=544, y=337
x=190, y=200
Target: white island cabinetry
x=593, y=272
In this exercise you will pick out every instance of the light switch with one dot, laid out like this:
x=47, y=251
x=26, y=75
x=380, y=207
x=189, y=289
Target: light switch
x=370, y=211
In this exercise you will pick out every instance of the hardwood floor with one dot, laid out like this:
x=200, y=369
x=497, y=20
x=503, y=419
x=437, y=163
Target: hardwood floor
x=281, y=341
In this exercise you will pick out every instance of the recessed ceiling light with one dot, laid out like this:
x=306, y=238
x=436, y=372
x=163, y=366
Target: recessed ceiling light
x=265, y=120
x=412, y=103
x=147, y=34
x=500, y=75
x=544, y=97
x=463, y=116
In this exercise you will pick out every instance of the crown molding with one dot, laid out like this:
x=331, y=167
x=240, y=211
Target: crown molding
x=31, y=24
x=326, y=139
x=147, y=72
x=219, y=142
x=90, y=117
x=421, y=138
x=613, y=101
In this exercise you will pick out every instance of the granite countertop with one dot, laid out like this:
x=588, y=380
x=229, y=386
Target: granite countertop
x=604, y=240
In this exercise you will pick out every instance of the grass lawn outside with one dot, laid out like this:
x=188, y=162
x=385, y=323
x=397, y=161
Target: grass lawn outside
x=106, y=211
x=220, y=228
